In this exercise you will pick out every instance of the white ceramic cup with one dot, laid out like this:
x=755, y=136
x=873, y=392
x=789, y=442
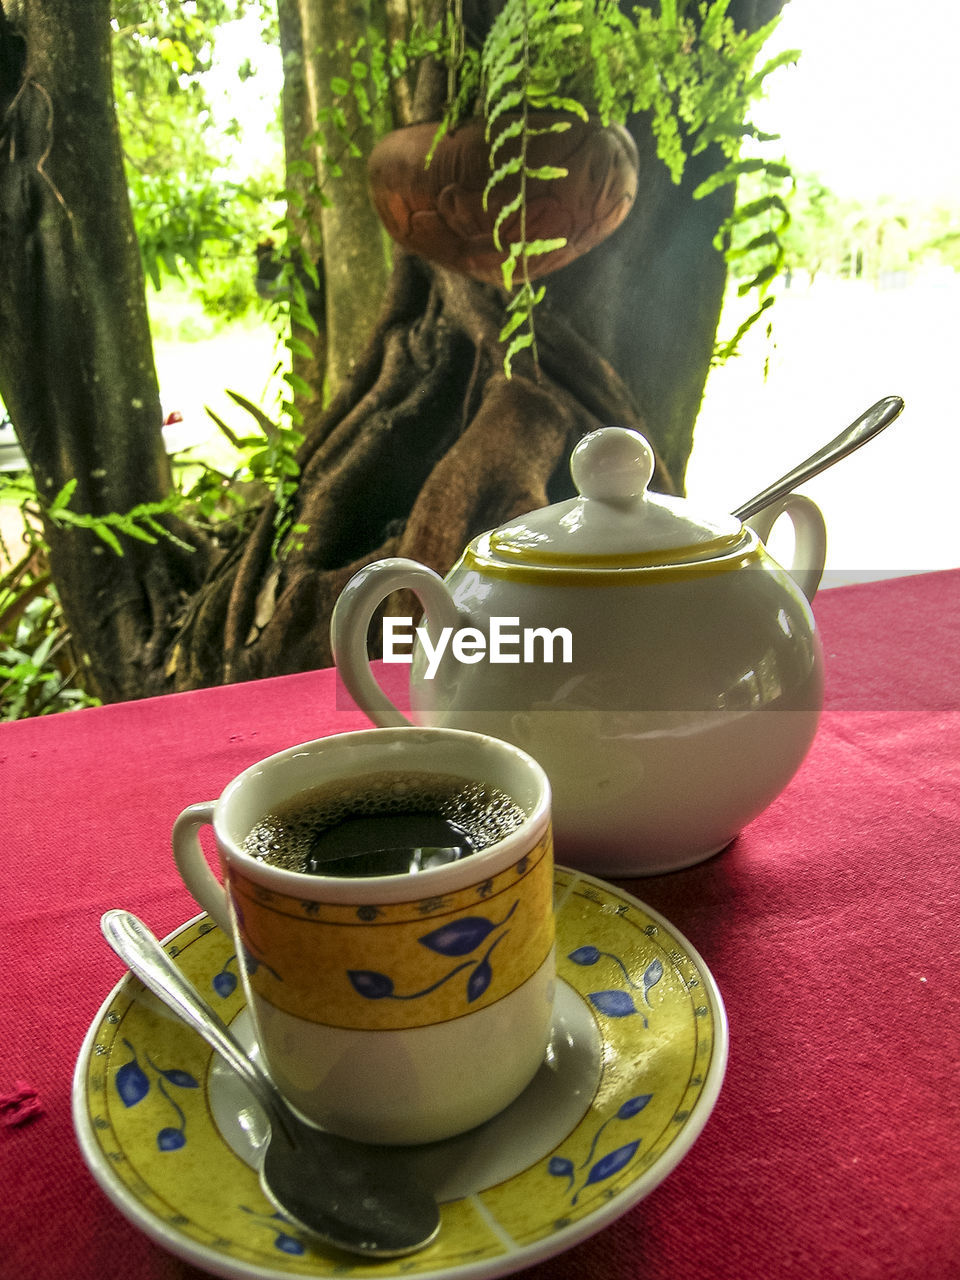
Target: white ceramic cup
x=399, y=1008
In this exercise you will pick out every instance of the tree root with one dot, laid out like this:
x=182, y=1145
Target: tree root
x=428, y=446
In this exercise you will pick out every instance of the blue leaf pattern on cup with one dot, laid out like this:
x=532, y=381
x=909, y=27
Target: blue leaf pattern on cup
x=288, y=1244
x=633, y=1106
x=460, y=937
x=612, y=1002
x=479, y=980
x=255, y=962
x=375, y=986
x=588, y=955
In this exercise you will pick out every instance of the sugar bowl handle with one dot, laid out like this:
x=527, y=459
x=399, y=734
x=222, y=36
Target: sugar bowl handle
x=351, y=619
x=810, y=537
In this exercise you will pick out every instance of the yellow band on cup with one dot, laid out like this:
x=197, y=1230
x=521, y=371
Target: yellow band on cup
x=408, y=964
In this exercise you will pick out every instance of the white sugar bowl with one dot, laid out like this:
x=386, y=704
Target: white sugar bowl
x=660, y=664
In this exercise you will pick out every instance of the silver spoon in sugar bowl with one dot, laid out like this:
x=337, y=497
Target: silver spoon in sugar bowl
x=870, y=423
x=358, y=1198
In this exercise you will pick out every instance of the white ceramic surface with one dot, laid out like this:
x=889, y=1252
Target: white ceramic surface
x=695, y=678
x=373, y=997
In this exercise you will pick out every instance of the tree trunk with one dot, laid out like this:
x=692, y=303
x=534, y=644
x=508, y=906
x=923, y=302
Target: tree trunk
x=650, y=296
x=356, y=265
x=76, y=359
x=428, y=446
x=303, y=205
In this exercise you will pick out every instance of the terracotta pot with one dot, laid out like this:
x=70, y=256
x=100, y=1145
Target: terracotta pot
x=438, y=212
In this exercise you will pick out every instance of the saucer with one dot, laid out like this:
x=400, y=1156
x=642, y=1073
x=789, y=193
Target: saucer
x=633, y=1070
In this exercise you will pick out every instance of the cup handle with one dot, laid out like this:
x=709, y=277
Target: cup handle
x=351, y=618
x=193, y=866
x=810, y=533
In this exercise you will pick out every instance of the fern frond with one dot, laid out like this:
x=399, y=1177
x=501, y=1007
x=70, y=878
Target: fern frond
x=503, y=171
x=506, y=212
x=513, y=129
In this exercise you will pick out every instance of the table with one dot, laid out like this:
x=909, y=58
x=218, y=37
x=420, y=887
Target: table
x=832, y=926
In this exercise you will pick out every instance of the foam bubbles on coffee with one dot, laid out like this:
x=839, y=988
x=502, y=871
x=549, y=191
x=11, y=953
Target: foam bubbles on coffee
x=390, y=823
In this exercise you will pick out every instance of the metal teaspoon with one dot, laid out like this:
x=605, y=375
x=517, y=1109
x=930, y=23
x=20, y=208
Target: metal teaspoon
x=352, y=1196
x=858, y=433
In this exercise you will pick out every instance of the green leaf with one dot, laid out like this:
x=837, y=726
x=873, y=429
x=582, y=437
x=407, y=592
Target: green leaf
x=546, y=172
x=506, y=102
x=503, y=171
x=763, y=276
x=758, y=242
x=513, y=324
x=535, y=248
x=134, y=530
x=508, y=267
x=729, y=348
x=64, y=496
x=557, y=102
x=729, y=173
x=506, y=212
x=521, y=341
x=299, y=385
x=104, y=532
x=787, y=57
x=513, y=129
x=754, y=208
x=297, y=347
x=339, y=85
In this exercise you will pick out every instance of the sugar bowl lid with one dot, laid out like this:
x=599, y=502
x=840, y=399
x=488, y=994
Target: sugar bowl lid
x=615, y=521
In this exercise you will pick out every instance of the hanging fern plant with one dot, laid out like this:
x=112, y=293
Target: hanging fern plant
x=687, y=66
x=696, y=79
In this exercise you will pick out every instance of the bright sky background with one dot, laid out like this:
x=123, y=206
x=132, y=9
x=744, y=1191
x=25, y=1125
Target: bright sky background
x=873, y=105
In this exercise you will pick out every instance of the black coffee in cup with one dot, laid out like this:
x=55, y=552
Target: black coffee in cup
x=390, y=823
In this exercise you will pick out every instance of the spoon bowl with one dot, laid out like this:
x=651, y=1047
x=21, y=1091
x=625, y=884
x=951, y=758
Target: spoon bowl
x=362, y=1199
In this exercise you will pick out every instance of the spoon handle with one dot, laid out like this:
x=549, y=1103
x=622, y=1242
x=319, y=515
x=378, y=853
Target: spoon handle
x=858, y=433
x=141, y=951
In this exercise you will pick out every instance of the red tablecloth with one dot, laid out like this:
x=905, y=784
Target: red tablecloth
x=832, y=926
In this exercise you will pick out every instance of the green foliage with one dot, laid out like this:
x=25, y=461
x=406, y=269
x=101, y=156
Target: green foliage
x=185, y=206
x=175, y=223
x=691, y=70
x=39, y=673
x=142, y=522
x=270, y=461
x=361, y=98
x=695, y=77
x=753, y=239
x=943, y=238
x=226, y=289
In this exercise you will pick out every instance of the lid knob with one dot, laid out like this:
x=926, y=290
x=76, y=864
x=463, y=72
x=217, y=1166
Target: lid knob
x=613, y=465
